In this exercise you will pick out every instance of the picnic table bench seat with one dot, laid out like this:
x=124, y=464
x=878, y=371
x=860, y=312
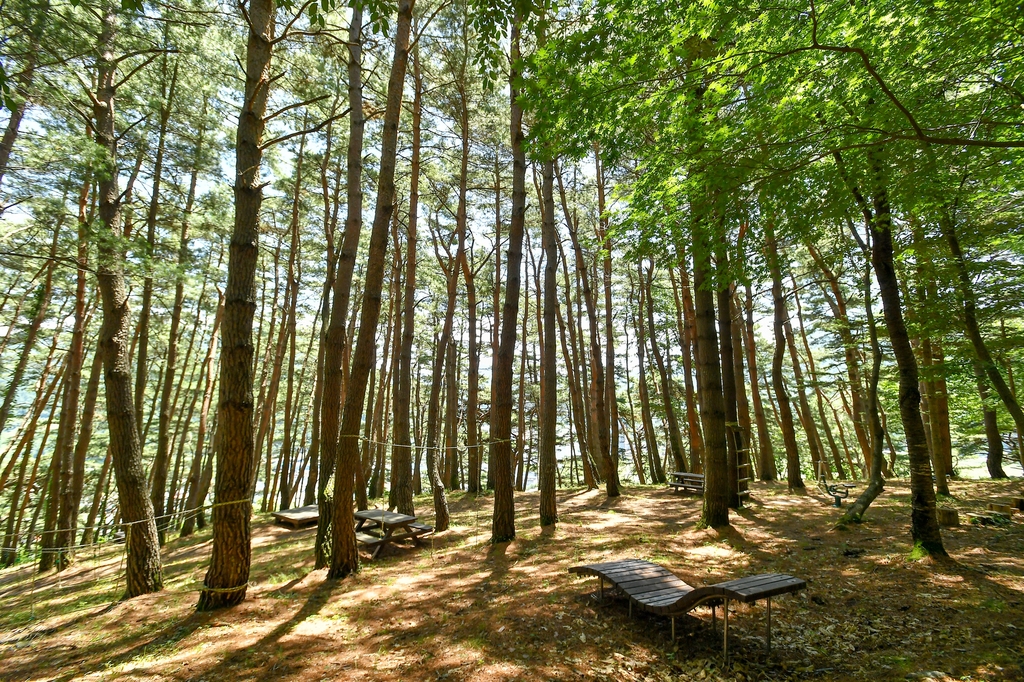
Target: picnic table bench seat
x=657, y=590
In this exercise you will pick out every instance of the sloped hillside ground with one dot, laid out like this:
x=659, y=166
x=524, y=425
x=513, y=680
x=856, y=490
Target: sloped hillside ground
x=458, y=608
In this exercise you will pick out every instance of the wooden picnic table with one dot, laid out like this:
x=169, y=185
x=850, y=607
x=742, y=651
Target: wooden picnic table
x=687, y=482
x=386, y=523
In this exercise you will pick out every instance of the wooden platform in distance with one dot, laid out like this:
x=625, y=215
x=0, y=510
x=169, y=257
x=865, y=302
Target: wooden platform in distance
x=298, y=517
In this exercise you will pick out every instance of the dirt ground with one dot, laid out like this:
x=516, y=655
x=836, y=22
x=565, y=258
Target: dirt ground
x=458, y=608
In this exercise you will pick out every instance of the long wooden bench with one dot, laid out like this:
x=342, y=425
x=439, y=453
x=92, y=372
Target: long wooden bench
x=657, y=590
x=687, y=482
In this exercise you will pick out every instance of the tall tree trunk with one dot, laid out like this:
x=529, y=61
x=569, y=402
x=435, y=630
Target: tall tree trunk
x=144, y=572
x=611, y=404
x=599, y=395
x=227, y=579
x=163, y=448
x=683, y=300
x=290, y=313
x=967, y=299
x=167, y=88
x=196, y=495
x=816, y=384
x=715, y=512
x=571, y=357
x=855, y=512
x=546, y=456
x=45, y=291
x=503, y=528
x=344, y=555
x=793, y=476
x=336, y=342
x=745, y=461
x=401, y=455
x=72, y=469
x=92, y=390
x=837, y=302
x=675, y=438
x=765, y=452
x=332, y=206
x=924, y=526
x=732, y=440
x=650, y=438
x=994, y=457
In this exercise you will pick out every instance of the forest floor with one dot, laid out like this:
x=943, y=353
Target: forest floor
x=460, y=609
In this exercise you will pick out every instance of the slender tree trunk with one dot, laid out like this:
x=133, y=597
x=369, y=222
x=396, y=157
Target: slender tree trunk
x=344, y=555
x=967, y=299
x=227, y=579
x=994, y=458
x=32, y=332
x=675, y=438
x=293, y=296
x=503, y=527
x=144, y=572
x=546, y=456
x=855, y=512
x=336, y=341
x=817, y=386
x=599, y=395
x=612, y=405
x=72, y=469
x=196, y=495
x=924, y=526
x=167, y=87
x=837, y=302
x=745, y=461
x=24, y=448
x=793, y=475
x=765, y=452
x=85, y=438
x=401, y=455
x=683, y=300
x=650, y=438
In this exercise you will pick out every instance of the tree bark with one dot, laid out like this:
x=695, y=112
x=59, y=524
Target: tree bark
x=336, y=341
x=546, y=456
x=144, y=572
x=715, y=512
x=924, y=526
x=994, y=457
x=344, y=555
x=765, y=451
x=503, y=527
x=793, y=476
x=227, y=579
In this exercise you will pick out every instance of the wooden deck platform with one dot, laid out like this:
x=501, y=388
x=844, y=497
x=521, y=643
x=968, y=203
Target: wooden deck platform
x=299, y=517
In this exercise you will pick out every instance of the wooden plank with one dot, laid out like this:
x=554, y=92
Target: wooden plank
x=369, y=540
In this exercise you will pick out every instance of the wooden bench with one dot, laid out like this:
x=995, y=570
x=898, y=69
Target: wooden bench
x=688, y=483
x=657, y=590
x=298, y=517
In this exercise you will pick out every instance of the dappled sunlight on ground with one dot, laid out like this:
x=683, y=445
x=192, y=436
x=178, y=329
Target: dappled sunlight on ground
x=459, y=608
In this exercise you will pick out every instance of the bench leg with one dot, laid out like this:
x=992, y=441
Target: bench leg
x=768, y=651
x=714, y=623
x=602, y=588
x=725, y=629
x=631, y=608
x=673, y=628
